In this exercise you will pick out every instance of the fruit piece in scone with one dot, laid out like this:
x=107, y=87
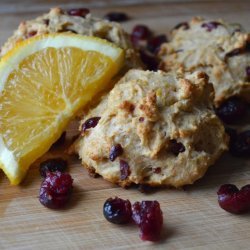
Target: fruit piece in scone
x=57, y=21
x=220, y=49
x=153, y=128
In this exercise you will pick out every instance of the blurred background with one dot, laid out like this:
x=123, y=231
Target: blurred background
x=159, y=15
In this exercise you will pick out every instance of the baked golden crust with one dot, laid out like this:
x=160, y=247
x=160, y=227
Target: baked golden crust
x=215, y=47
x=145, y=113
x=57, y=21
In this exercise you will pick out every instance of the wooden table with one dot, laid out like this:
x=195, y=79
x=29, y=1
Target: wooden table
x=193, y=219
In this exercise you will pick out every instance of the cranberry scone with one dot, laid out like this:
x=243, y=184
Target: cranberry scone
x=57, y=21
x=153, y=128
x=220, y=49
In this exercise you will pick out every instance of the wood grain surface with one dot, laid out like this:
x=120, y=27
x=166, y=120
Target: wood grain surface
x=192, y=217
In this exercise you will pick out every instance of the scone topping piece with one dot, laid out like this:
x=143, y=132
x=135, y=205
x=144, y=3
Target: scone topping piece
x=44, y=81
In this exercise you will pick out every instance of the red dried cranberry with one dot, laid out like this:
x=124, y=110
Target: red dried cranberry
x=115, y=151
x=141, y=119
x=56, y=190
x=240, y=146
x=124, y=170
x=150, y=61
x=210, y=26
x=82, y=12
x=148, y=216
x=60, y=141
x=31, y=33
x=155, y=43
x=183, y=25
x=52, y=165
x=232, y=110
x=116, y=17
x=157, y=170
x=141, y=32
x=90, y=123
x=233, y=200
x=117, y=211
x=248, y=73
x=176, y=147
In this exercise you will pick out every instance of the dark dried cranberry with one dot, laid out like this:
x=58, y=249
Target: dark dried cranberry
x=117, y=211
x=183, y=25
x=148, y=216
x=56, y=190
x=210, y=26
x=234, y=52
x=115, y=151
x=60, y=141
x=248, y=73
x=124, y=170
x=52, y=165
x=82, y=12
x=233, y=200
x=150, y=61
x=141, y=119
x=46, y=21
x=155, y=43
x=116, y=16
x=240, y=146
x=90, y=123
x=141, y=32
x=232, y=134
x=176, y=147
x=157, y=170
x=232, y=110
x=31, y=33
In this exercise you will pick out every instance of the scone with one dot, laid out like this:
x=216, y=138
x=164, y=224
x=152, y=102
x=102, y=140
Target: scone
x=59, y=21
x=153, y=128
x=221, y=50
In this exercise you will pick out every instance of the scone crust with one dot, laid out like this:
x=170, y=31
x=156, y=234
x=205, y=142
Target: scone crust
x=220, y=49
x=144, y=113
x=57, y=21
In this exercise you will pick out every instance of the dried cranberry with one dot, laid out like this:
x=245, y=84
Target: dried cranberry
x=141, y=119
x=155, y=43
x=210, y=26
x=60, y=141
x=117, y=211
x=183, y=25
x=116, y=16
x=124, y=170
x=31, y=33
x=82, y=12
x=232, y=134
x=248, y=73
x=115, y=151
x=46, y=21
x=233, y=200
x=141, y=32
x=234, y=52
x=150, y=61
x=90, y=123
x=157, y=170
x=240, y=146
x=148, y=216
x=56, y=190
x=52, y=165
x=232, y=110
x=176, y=147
